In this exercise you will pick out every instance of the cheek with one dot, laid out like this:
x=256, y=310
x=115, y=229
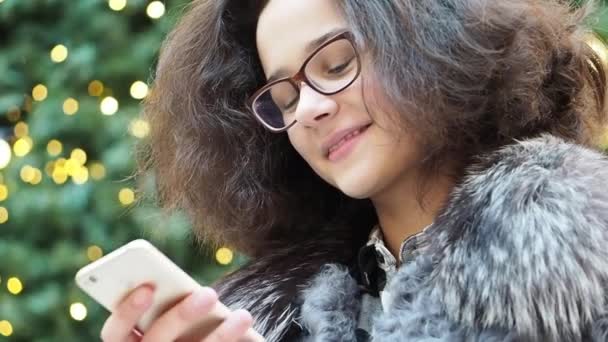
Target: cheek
x=298, y=141
x=375, y=99
x=301, y=143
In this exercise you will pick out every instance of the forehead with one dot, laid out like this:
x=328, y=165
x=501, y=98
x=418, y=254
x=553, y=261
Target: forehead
x=285, y=27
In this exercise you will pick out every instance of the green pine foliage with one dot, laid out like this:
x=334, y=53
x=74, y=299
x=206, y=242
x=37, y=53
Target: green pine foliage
x=50, y=226
x=53, y=220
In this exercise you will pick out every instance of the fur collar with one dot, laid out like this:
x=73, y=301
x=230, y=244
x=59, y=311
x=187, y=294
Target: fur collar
x=520, y=253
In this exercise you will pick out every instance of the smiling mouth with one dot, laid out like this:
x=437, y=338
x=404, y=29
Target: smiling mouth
x=342, y=147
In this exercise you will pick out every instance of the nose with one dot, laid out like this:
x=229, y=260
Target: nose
x=313, y=107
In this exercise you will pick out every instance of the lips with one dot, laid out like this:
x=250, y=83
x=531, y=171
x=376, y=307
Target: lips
x=342, y=136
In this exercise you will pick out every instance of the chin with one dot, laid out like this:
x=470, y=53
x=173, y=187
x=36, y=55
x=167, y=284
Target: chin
x=356, y=189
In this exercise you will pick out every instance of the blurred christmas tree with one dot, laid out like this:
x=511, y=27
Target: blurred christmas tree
x=72, y=75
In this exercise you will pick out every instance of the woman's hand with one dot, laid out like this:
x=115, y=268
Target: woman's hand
x=177, y=323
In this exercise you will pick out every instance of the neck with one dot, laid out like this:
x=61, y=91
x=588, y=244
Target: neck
x=399, y=213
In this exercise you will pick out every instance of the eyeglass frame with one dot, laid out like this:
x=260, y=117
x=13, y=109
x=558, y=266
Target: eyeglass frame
x=300, y=77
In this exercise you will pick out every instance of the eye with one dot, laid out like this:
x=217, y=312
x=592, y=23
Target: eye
x=340, y=68
x=289, y=106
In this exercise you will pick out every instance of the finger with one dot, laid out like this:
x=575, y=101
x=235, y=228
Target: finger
x=233, y=328
x=119, y=326
x=182, y=317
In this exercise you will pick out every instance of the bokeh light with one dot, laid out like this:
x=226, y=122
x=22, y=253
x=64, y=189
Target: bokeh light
x=59, y=53
x=95, y=88
x=27, y=173
x=21, y=129
x=117, y=5
x=6, y=328
x=97, y=171
x=14, y=285
x=70, y=106
x=54, y=147
x=126, y=196
x=78, y=311
x=224, y=256
x=59, y=175
x=5, y=153
x=109, y=105
x=39, y=92
x=22, y=146
x=138, y=90
x=155, y=9
x=3, y=215
x=49, y=167
x=81, y=175
x=94, y=253
x=139, y=128
x=72, y=166
x=37, y=178
x=3, y=192
x=79, y=155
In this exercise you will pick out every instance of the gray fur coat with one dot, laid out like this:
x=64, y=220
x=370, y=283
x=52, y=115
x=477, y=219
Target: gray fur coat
x=520, y=253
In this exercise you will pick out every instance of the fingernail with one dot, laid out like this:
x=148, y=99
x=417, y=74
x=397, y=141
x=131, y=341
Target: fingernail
x=201, y=299
x=143, y=297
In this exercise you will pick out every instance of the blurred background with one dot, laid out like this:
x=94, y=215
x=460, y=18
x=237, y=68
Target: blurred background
x=72, y=75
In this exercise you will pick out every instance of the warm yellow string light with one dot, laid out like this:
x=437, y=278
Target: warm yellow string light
x=21, y=129
x=5, y=153
x=117, y=5
x=138, y=90
x=37, y=178
x=95, y=88
x=54, y=147
x=79, y=155
x=59, y=53
x=109, y=105
x=3, y=192
x=126, y=196
x=155, y=9
x=224, y=256
x=97, y=171
x=139, y=128
x=23, y=146
x=6, y=328
x=72, y=166
x=78, y=311
x=14, y=285
x=3, y=215
x=94, y=252
x=59, y=175
x=30, y=175
x=27, y=173
x=81, y=175
x=70, y=106
x=39, y=92
x=49, y=167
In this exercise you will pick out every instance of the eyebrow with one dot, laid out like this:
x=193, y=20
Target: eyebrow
x=313, y=44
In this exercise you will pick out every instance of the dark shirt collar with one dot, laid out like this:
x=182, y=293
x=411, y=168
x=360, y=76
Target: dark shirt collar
x=375, y=261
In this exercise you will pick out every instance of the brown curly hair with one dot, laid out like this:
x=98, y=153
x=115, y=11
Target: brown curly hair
x=468, y=76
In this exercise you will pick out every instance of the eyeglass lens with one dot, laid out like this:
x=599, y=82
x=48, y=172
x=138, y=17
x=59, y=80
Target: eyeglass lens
x=329, y=71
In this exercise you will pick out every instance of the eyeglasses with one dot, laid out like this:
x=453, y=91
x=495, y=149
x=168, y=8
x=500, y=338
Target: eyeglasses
x=331, y=68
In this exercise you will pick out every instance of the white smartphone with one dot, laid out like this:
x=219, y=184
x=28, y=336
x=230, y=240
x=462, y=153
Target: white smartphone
x=109, y=279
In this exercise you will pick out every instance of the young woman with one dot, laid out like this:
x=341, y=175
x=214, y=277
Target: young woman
x=396, y=170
